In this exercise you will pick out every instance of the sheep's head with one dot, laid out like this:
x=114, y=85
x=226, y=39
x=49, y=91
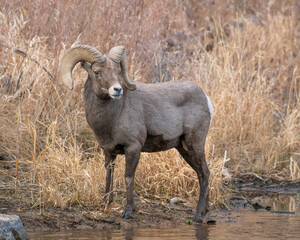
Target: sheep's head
x=109, y=74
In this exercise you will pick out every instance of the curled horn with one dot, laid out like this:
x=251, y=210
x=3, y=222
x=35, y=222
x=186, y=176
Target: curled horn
x=118, y=55
x=75, y=55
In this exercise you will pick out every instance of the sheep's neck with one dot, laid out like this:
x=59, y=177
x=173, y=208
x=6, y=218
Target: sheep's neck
x=101, y=114
x=106, y=115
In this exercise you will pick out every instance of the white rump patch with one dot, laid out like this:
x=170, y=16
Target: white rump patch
x=210, y=107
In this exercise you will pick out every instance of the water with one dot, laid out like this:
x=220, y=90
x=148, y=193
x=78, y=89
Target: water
x=283, y=222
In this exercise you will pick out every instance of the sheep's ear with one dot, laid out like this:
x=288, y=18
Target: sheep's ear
x=97, y=66
x=86, y=66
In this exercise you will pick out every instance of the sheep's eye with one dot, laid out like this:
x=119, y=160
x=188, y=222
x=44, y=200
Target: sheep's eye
x=98, y=74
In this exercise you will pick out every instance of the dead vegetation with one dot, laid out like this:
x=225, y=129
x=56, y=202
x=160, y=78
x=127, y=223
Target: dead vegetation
x=244, y=54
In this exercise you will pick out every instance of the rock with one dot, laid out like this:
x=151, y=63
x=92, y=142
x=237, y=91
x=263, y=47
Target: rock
x=11, y=228
x=77, y=219
x=257, y=203
x=176, y=200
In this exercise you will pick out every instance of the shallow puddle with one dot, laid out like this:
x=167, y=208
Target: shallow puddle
x=282, y=222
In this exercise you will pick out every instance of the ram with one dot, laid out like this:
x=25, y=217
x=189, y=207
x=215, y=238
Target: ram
x=131, y=117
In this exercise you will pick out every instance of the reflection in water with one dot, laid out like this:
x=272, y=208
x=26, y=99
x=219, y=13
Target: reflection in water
x=128, y=234
x=283, y=203
x=254, y=225
x=202, y=231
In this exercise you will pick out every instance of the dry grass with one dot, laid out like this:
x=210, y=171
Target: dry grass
x=244, y=54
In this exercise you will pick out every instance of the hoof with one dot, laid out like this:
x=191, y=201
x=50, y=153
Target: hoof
x=198, y=220
x=127, y=214
x=200, y=216
x=207, y=219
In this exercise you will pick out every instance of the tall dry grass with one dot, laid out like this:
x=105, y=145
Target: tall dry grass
x=244, y=54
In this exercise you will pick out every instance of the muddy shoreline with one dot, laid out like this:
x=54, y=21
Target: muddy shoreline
x=150, y=212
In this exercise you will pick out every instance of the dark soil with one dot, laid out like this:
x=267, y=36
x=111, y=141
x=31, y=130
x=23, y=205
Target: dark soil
x=253, y=184
x=150, y=212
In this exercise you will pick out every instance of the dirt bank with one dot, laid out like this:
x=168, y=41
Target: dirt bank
x=150, y=212
x=251, y=183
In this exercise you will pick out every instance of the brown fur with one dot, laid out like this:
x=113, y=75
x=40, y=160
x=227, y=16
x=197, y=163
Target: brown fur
x=154, y=117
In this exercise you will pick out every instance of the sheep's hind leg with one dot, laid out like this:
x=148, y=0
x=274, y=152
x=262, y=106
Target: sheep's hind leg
x=109, y=166
x=195, y=157
x=132, y=156
x=203, y=176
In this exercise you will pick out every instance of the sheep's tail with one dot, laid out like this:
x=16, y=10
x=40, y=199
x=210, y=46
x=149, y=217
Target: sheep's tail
x=210, y=107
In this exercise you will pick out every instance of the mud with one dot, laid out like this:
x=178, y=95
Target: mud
x=253, y=184
x=152, y=213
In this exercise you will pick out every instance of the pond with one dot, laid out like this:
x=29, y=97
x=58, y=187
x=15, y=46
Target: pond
x=283, y=222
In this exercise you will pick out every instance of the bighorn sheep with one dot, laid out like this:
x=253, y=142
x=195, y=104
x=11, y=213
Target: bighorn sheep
x=130, y=118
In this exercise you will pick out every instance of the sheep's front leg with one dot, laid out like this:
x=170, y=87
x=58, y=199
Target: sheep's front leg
x=109, y=166
x=132, y=156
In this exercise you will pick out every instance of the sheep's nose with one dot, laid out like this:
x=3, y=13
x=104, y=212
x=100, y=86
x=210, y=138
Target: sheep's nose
x=118, y=89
